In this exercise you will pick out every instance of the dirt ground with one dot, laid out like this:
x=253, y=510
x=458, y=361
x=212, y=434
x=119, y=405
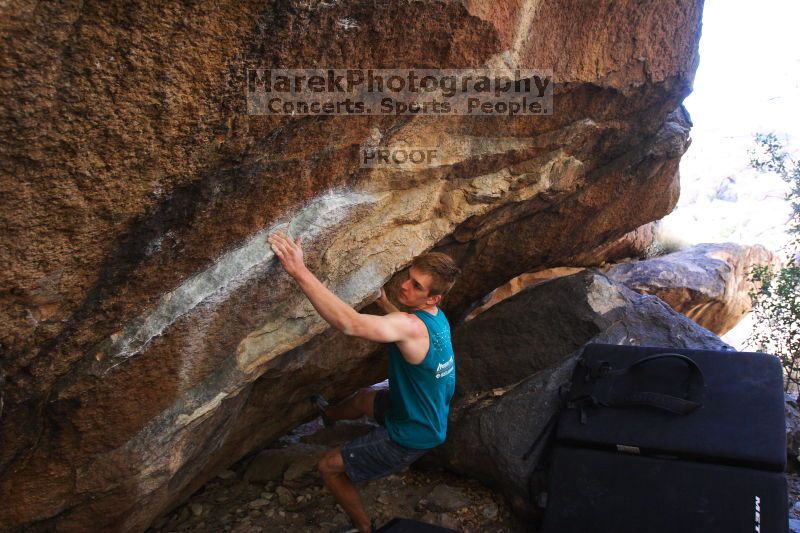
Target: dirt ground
x=243, y=499
x=279, y=490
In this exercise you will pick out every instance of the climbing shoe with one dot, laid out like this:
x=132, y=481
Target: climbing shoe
x=320, y=403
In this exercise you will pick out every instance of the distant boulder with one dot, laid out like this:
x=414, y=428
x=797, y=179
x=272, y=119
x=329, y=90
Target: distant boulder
x=707, y=283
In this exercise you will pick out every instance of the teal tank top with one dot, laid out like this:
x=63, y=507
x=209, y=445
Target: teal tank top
x=420, y=394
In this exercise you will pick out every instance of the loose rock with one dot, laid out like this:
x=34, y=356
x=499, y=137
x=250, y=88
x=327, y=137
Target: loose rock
x=490, y=511
x=257, y=504
x=285, y=496
x=226, y=474
x=444, y=498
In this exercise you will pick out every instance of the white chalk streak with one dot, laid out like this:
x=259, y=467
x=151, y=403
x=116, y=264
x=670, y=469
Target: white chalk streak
x=232, y=270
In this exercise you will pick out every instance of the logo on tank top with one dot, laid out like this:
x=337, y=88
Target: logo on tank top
x=444, y=369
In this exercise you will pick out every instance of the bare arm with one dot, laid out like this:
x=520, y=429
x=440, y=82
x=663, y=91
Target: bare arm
x=394, y=327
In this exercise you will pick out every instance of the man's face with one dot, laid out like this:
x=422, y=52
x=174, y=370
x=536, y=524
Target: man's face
x=415, y=289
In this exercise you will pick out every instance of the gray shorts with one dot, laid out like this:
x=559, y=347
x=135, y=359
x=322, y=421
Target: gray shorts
x=376, y=455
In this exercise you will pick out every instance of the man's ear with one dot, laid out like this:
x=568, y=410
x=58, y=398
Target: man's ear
x=436, y=299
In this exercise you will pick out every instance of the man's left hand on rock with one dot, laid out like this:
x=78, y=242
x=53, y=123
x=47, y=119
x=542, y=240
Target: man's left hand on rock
x=288, y=252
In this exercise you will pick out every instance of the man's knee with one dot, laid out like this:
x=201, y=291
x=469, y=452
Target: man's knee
x=331, y=463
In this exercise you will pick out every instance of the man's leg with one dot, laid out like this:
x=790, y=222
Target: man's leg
x=358, y=405
x=331, y=466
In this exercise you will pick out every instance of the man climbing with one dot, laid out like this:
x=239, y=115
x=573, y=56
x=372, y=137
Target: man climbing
x=413, y=412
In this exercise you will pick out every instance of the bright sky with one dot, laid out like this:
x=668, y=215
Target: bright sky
x=749, y=73
x=748, y=81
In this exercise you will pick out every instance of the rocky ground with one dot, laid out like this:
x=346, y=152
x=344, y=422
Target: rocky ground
x=279, y=489
x=794, y=501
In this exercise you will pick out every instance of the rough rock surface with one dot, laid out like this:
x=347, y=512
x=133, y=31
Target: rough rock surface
x=634, y=244
x=707, y=283
x=792, y=433
x=793, y=459
x=497, y=415
x=149, y=339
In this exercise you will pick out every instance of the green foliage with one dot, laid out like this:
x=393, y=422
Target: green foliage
x=776, y=302
x=777, y=311
x=769, y=156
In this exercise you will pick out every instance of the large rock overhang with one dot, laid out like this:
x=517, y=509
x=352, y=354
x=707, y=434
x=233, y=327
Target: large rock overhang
x=150, y=339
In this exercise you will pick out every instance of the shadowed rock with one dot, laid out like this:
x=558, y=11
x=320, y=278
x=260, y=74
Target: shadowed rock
x=506, y=396
x=633, y=244
x=792, y=432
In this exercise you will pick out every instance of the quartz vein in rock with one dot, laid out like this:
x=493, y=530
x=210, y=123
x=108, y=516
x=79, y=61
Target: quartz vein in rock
x=230, y=271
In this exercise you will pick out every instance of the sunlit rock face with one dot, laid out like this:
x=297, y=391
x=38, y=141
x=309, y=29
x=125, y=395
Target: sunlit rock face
x=148, y=337
x=708, y=283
